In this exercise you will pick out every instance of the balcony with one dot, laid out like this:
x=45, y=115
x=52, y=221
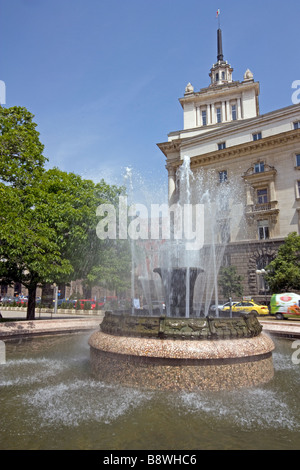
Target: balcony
x=266, y=209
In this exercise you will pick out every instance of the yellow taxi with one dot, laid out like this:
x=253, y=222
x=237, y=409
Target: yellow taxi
x=248, y=306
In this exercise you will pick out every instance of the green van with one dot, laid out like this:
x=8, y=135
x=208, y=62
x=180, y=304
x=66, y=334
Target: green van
x=285, y=305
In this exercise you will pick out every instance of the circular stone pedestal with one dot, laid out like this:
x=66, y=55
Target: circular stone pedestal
x=155, y=363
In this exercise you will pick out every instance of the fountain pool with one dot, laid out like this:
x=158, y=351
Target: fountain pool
x=50, y=400
x=182, y=350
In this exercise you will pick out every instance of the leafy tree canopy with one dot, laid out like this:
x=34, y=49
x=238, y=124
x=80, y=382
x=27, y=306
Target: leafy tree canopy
x=113, y=269
x=283, y=273
x=230, y=282
x=47, y=218
x=21, y=152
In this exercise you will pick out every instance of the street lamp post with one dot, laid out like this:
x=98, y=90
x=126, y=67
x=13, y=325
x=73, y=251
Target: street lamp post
x=55, y=297
x=263, y=272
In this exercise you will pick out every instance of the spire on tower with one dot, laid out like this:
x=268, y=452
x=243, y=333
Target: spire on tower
x=220, y=46
x=221, y=71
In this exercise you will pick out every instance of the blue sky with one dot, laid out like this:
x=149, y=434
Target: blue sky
x=103, y=77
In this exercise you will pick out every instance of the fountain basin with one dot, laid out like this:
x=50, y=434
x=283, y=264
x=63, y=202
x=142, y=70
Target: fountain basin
x=165, y=362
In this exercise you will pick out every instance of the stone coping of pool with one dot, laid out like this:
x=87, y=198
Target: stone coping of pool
x=182, y=350
x=283, y=328
x=163, y=327
x=15, y=329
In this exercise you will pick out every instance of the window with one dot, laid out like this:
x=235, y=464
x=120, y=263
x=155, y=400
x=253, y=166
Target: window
x=204, y=121
x=223, y=75
x=297, y=125
x=264, y=260
x=219, y=117
x=298, y=188
x=262, y=196
x=257, y=136
x=233, y=112
x=222, y=176
x=217, y=77
x=222, y=146
x=298, y=159
x=259, y=167
x=263, y=230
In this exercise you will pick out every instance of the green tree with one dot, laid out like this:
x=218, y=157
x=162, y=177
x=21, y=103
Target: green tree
x=29, y=248
x=48, y=232
x=114, y=267
x=283, y=273
x=21, y=167
x=21, y=152
x=230, y=282
x=48, y=218
x=72, y=202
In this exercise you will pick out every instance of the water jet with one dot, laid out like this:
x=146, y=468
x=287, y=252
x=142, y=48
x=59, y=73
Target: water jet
x=186, y=349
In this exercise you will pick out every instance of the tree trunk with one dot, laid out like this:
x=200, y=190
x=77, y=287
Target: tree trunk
x=31, y=302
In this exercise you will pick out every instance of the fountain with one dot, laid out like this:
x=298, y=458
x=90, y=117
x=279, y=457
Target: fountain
x=187, y=348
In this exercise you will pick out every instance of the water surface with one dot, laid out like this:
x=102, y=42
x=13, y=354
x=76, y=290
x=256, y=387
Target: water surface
x=49, y=400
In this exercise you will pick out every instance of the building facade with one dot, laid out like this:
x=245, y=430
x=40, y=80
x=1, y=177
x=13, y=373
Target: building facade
x=224, y=131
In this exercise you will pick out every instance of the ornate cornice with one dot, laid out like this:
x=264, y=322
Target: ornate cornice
x=172, y=146
x=248, y=147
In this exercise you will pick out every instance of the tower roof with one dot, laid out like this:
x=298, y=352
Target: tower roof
x=221, y=71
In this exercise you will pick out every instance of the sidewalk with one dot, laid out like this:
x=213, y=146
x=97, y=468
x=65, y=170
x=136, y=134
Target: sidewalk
x=46, y=324
x=21, y=314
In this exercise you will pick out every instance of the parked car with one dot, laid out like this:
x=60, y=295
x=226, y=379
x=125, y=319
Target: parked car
x=222, y=306
x=156, y=305
x=83, y=303
x=21, y=301
x=249, y=307
x=107, y=299
x=7, y=299
x=65, y=301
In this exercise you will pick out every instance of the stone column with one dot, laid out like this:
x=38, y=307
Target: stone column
x=198, y=116
x=272, y=191
x=171, y=183
x=228, y=111
x=249, y=194
x=223, y=112
x=208, y=115
x=239, y=111
x=213, y=120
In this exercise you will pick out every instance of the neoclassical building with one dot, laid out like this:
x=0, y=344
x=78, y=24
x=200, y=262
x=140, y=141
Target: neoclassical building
x=223, y=130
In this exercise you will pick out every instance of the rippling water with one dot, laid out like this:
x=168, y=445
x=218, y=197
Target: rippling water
x=49, y=400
